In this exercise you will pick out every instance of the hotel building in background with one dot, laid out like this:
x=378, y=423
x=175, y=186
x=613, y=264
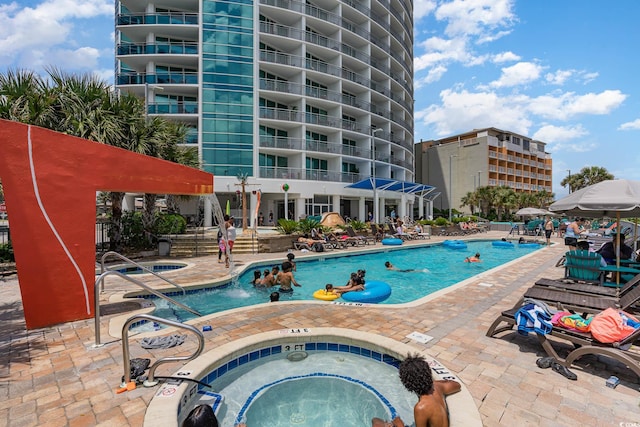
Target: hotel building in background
x=304, y=93
x=490, y=157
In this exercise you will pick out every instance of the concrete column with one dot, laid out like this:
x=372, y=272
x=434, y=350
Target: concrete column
x=362, y=211
x=335, y=203
x=129, y=202
x=382, y=214
x=299, y=209
x=421, y=207
x=208, y=213
x=402, y=207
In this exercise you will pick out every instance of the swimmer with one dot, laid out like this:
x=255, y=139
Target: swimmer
x=394, y=268
x=274, y=297
x=256, y=278
x=290, y=258
x=475, y=258
x=355, y=283
x=286, y=279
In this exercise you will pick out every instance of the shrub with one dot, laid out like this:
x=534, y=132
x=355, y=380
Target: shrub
x=287, y=226
x=358, y=225
x=441, y=222
x=6, y=253
x=171, y=224
x=307, y=224
x=133, y=232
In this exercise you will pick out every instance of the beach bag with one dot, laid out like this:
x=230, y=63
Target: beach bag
x=613, y=325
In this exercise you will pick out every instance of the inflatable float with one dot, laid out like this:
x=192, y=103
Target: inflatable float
x=392, y=241
x=529, y=245
x=323, y=295
x=503, y=244
x=454, y=244
x=374, y=292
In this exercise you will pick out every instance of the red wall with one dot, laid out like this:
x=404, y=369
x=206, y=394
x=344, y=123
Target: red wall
x=50, y=182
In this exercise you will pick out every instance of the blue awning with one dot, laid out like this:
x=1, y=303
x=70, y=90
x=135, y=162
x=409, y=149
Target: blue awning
x=392, y=185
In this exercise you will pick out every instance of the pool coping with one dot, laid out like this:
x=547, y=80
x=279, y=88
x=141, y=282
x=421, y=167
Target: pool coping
x=117, y=322
x=162, y=410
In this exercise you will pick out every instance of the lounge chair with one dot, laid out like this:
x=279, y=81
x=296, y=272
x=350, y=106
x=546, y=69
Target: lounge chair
x=586, y=288
x=583, y=343
x=583, y=265
x=366, y=239
x=377, y=233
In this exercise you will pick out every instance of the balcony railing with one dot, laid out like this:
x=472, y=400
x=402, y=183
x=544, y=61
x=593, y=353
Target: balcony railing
x=166, y=18
x=190, y=107
x=186, y=48
x=309, y=174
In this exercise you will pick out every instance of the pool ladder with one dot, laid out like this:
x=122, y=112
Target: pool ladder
x=151, y=380
x=100, y=283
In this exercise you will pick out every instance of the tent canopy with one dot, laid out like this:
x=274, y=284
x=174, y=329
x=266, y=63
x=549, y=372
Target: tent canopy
x=392, y=185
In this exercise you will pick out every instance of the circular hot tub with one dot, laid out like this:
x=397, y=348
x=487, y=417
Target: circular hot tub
x=311, y=367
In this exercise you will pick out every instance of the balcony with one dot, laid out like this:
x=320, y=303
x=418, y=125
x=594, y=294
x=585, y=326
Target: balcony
x=169, y=18
x=190, y=107
x=187, y=48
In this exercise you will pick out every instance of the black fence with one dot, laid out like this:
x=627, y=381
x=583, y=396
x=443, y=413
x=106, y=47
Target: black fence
x=5, y=235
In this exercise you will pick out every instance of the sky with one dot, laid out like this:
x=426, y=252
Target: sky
x=560, y=72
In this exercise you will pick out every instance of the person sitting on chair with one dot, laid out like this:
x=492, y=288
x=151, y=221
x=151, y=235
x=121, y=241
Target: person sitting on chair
x=608, y=250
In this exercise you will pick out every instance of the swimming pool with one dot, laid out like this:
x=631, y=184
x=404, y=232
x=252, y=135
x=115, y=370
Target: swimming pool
x=156, y=267
x=254, y=380
x=437, y=267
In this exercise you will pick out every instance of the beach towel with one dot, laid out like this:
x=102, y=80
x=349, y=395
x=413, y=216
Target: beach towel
x=533, y=318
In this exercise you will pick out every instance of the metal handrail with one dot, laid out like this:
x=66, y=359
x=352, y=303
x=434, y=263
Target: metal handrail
x=135, y=282
x=140, y=266
x=151, y=381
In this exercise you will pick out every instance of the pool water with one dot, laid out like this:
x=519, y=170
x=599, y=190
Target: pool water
x=436, y=267
x=325, y=389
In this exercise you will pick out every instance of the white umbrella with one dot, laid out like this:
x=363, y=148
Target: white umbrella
x=532, y=211
x=619, y=197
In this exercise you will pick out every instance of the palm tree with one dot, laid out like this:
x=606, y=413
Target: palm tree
x=26, y=97
x=470, y=199
x=587, y=176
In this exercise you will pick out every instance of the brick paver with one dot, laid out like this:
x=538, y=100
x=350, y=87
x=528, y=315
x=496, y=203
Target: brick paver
x=53, y=377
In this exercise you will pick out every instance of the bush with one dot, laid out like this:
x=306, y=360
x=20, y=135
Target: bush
x=287, y=226
x=171, y=224
x=6, y=253
x=441, y=222
x=133, y=232
x=358, y=225
x=306, y=225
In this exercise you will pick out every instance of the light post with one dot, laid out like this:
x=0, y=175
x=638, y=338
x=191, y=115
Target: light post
x=374, y=184
x=569, y=180
x=450, y=184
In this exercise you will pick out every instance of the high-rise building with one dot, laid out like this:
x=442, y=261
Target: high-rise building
x=490, y=157
x=303, y=93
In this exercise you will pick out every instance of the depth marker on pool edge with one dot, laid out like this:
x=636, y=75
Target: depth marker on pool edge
x=421, y=338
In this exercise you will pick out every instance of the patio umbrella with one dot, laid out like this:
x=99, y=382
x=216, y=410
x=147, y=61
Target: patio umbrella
x=532, y=211
x=620, y=197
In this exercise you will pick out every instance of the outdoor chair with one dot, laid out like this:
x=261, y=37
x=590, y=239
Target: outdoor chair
x=366, y=239
x=376, y=233
x=587, y=288
x=582, y=343
x=583, y=265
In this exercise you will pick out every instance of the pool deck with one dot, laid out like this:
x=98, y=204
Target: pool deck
x=53, y=376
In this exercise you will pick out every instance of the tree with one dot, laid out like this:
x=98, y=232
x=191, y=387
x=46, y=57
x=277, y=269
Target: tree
x=587, y=176
x=470, y=199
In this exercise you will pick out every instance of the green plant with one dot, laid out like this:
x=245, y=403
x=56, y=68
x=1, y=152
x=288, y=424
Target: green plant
x=171, y=224
x=133, y=232
x=441, y=222
x=287, y=226
x=6, y=253
x=307, y=224
x=358, y=225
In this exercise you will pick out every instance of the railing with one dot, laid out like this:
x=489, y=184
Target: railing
x=135, y=282
x=179, y=18
x=129, y=78
x=187, y=107
x=151, y=381
x=140, y=266
x=185, y=48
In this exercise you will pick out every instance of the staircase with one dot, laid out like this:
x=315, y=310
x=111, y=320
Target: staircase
x=190, y=245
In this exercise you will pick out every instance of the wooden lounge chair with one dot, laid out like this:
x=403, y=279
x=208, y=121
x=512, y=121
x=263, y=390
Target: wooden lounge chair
x=366, y=239
x=583, y=343
x=377, y=233
x=586, y=288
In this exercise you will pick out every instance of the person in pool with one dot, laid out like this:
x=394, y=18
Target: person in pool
x=392, y=267
x=475, y=258
x=355, y=283
x=274, y=297
x=201, y=416
x=431, y=409
x=256, y=278
x=290, y=258
x=286, y=279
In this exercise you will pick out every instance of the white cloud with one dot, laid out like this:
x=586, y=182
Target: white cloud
x=562, y=106
x=49, y=23
x=505, y=57
x=634, y=125
x=551, y=133
x=462, y=111
x=559, y=77
x=588, y=77
x=433, y=75
x=477, y=17
x=518, y=74
x=422, y=8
